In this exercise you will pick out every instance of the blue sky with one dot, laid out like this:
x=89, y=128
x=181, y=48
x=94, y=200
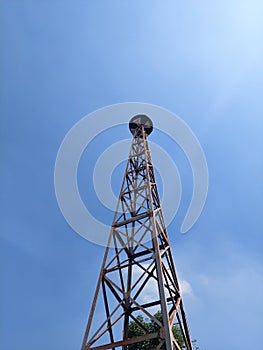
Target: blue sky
x=61, y=60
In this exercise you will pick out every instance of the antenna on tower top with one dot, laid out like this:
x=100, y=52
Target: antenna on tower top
x=138, y=122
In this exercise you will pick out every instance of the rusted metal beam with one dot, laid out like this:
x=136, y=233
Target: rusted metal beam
x=133, y=219
x=124, y=342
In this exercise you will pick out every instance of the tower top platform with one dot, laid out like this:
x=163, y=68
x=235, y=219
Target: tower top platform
x=139, y=120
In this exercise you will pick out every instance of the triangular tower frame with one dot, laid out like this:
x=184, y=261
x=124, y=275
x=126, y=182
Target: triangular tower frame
x=138, y=255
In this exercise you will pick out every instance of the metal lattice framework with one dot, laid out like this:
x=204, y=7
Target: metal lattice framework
x=138, y=274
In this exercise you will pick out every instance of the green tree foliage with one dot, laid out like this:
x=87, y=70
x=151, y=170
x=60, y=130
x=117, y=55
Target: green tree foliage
x=145, y=326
